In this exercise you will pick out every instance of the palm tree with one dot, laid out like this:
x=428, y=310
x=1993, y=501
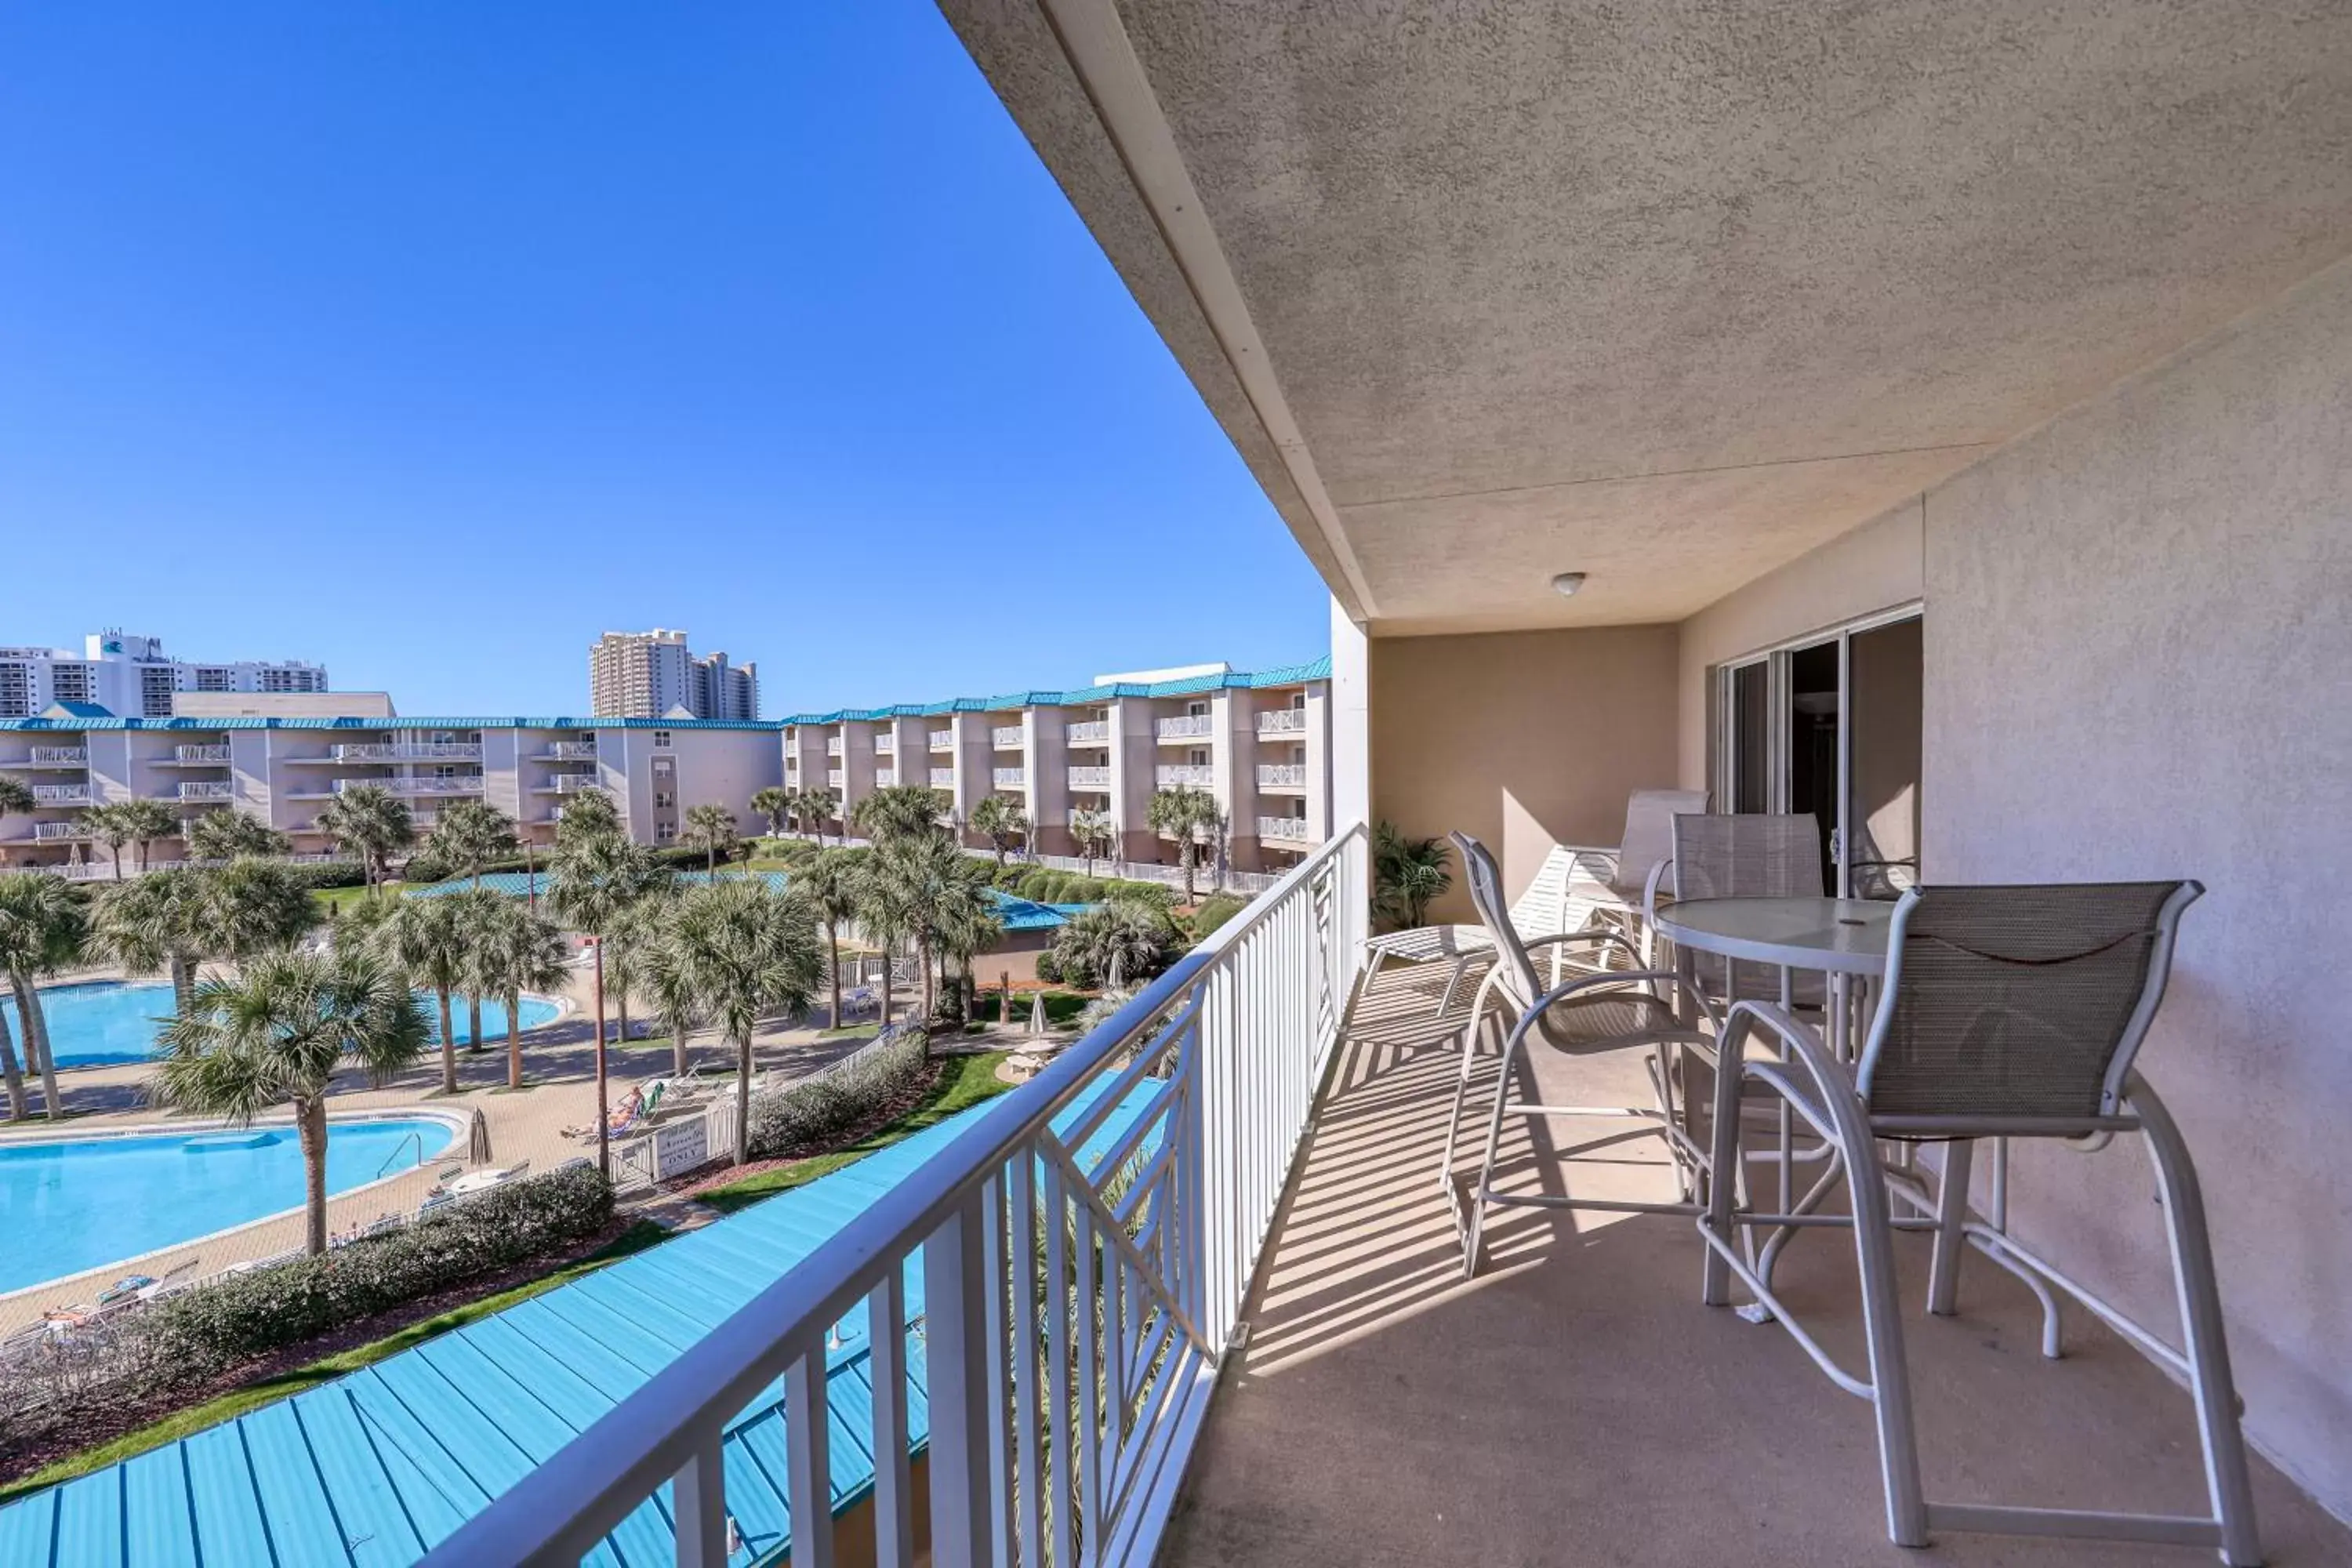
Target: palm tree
x=371, y=821
x=145, y=821
x=424, y=940
x=42, y=927
x=276, y=1032
x=711, y=829
x=597, y=876
x=589, y=814
x=776, y=804
x=152, y=926
x=908, y=891
x=1183, y=812
x=471, y=834
x=898, y=811
x=1115, y=942
x=667, y=986
x=829, y=883
x=249, y=907
x=1092, y=832
x=16, y=799
x=744, y=952
x=818, y=807
x=1001, y=821
x=110, y=826
x=226, y=835
x=970, y=921
x=1408, y=874
x=636, y=928
x=517, y=949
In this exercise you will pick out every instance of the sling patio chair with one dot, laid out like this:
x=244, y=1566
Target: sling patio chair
x=1601, y=1010
x=2004, y=1013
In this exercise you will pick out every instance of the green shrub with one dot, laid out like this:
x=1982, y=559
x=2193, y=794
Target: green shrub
x=1049, y=968
x=1215, y=911
x=217, y=1325
x=810, y=1115
x=328, y=874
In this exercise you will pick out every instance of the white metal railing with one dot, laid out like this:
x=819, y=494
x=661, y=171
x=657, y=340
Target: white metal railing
x=43, y=831
x=833, y=746
x=1168, y=776
x=61, y=794
x=1091, y=778
x=410, y=752
x=886, y=744
x=942, y=740
x=1282, y=775
x=1185, y=726
x=1093, y=732
x=572, y=784
x=1077, y=1300
x=206, y=789
x=469, y=786
x=885, y=777
x=573, y=750
x=944, y=778
x=59, y=756
x=1288, y=830
x=200, y=755
x=834, y=778
x=1010, y=778
x=1007, y=738
x=1282, y=721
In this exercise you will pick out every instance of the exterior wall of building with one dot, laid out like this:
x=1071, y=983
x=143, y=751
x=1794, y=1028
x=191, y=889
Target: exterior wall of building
x=1546, y=756
x=132, y=676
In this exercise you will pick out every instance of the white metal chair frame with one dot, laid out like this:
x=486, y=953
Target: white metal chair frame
x=1503, y=988
x=1835, y=1102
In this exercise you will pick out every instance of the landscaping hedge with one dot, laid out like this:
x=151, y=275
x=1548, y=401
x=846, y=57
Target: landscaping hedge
x=319, y=874
x=808, y=1115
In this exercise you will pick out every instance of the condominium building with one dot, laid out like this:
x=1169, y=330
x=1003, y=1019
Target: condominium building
x=654, y=675
x=1257, y=743
x=131, y=675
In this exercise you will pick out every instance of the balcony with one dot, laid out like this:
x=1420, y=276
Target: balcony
x=1009, y=778
x=61, y=794
x=572, y=784
x=1093, y=732
x=1092, y=779
x=833, y=746
x=941, y=740
x=1185, y=727
x=406, y=787
x=1174, y=775
x=1282, y=721
x=1286, y=830
x=944, y=778
x=47, y=832
x=1008, y=738
x=570, y=752
x=834, y=779
x=885, y=777
x=202, y=789
x=55, y=757
x=410, y=752
x=200, y=756
x=1282, y=775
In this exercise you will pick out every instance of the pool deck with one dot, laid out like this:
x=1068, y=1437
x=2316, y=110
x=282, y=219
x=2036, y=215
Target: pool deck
x=559, y=1060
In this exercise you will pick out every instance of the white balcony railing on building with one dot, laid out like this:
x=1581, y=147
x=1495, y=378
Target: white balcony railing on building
x=886, y=744
x=1185, y=727
x=1171, y=775
x=572, y=783
x=944, y=778
x=1075, y=1301
x=1282, y=721
x=1091, y=778
x=942, y=740
x=410, y=752
x=1010, y=778
x=833, y=746
x=470, y=786
x=207, y=790
x=1093, y=732
x=61, y=794
x=834, y=778
x=45, y=831
x=1007, y=738
x=200, y=756
x=573, y=750
x=59, y=757
x=885, y=777
x=1282, y=775
x=1285, y=829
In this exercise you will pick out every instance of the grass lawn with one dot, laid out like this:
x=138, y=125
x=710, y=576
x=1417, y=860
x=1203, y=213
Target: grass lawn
x=334, y=900
x=269, y=1391
x=964, y=1082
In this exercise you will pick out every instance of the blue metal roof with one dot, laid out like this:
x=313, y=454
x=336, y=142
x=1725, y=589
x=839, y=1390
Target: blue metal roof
x=375, y=1470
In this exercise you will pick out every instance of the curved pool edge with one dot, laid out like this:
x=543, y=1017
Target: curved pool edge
x=458, y=1125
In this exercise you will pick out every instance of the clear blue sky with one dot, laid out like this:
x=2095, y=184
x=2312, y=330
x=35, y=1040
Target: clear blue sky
x=428, y=340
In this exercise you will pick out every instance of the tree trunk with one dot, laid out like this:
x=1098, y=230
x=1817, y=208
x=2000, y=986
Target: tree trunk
x=931, y=991
x=311, y=1124
x=449, y=1042
x=36, y=1041
x=743, y=1099
x=474, y=1023
x=183, y=981
x=678, y=1063
x=114, y=853
x=885, y=988
x=514, y=1039
x=621, y=1016
x=16, y=1109
x=833, y=967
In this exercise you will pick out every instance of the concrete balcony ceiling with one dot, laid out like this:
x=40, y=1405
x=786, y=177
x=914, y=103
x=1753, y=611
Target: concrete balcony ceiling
x=1668, y=296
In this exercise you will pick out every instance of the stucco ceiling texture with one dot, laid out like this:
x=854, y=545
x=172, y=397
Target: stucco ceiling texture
x=1670, y=293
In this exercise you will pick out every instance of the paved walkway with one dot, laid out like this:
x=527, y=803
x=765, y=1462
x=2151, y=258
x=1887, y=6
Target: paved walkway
x=559, y=1065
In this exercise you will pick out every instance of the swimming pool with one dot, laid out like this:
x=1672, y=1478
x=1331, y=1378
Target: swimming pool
x=104, y=1023
x=83, y=1202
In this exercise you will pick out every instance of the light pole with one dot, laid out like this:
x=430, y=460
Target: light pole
x=603, y=1122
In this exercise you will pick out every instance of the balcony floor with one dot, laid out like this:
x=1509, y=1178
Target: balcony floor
x=1576, y=1405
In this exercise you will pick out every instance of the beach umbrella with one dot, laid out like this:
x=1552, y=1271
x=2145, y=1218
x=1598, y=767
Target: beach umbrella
x=1037, y=1015
x=478, y=1150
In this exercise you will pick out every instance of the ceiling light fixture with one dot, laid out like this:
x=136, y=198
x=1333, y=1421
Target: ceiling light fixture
x=1566, y=583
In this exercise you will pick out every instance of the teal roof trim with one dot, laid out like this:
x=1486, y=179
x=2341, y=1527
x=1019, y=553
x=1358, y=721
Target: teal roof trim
x=183, y=725
x=1078, y=697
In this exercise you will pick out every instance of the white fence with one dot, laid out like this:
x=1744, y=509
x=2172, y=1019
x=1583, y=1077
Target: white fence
x=1075, y=1308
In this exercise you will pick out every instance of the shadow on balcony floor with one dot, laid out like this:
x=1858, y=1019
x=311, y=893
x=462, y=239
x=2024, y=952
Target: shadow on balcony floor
x=1575, y=1405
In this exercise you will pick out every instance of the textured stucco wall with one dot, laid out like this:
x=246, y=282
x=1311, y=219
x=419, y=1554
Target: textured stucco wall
x=2139, y=664
x=1524, y=740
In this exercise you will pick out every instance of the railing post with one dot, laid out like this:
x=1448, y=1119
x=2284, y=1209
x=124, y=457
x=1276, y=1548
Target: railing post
x=700, y=1496
x=955, y=1313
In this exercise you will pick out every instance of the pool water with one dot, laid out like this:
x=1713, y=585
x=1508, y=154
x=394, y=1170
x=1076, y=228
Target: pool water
x=106, y=1023
x=84, y=1202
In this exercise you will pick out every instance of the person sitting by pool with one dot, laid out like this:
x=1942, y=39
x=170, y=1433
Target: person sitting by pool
x=634, y=1106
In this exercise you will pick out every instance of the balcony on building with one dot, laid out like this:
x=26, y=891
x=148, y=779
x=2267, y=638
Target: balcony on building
x=1287, y=778
x=467, y=784
x=1282, y=721
x=1285, y=830
x=941, y=740
x=202, y=789
x=1185, y=727
x=1093, y=779
x=944, y=778
x=886, y=744
x=885, y=777
x=54, y=757
x=50, y=796
x=568, y=751
x=1091, y=732
x=1174, y=775
x=834, y=778
x=833, y=746
x=1008, y=737
x=200, y=756
x=1009, y=778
